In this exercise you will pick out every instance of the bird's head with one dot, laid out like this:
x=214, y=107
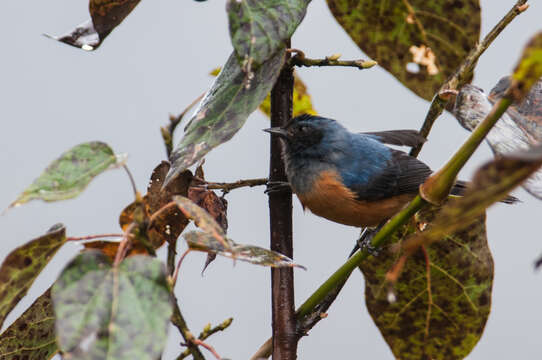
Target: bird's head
x=307, y=132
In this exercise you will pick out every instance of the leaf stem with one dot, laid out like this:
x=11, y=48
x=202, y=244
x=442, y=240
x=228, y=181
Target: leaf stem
x=462, y=74
x=131, y=177
x=91, y=237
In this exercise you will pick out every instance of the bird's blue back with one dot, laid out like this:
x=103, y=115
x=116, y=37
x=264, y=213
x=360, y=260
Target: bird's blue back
x=357, y=158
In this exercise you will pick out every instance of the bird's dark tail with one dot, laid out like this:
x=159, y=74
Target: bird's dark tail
x=460, y=187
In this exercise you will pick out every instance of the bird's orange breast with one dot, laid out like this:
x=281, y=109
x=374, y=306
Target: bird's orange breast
x=332, y=200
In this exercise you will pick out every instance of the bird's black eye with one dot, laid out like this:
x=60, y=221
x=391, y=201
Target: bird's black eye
x=303, y=128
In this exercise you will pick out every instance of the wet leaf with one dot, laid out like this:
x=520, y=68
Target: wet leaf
x=530, y=108
x=302, y=102
x=419, y=42
x=259, y=28
x=224, y=110
x=491, y=183
x=441, y=303
x=32, y=335
x=69, y=175
x=514, y=131
x=167, y=222
x=23, y=265
x=104, y=312
x=105, y=16
x=201, y=241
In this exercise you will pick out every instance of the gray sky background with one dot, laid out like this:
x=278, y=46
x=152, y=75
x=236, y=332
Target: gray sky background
x=54, y=96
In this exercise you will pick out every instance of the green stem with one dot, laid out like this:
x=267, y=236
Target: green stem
x=438, y=186
x=353, y=262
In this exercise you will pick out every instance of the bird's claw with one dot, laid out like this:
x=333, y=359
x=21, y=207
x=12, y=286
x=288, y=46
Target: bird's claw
x=277, y=186
x=365, y=244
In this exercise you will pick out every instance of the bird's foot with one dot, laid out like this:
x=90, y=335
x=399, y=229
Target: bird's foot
x=364, y=241
x=365, y=244
x=277, y=186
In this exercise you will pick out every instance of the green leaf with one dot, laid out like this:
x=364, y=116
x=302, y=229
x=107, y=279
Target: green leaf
x=32, y=335
x=69, y=175
x=259, y=28
x=442, y=302
x=224, y=110
x=105, y=16
x=398, y=33
x=105, y=312
x=23, y=265
x=206, y=242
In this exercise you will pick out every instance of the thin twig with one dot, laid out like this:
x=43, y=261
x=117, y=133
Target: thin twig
x=303, y=61
x=207, y=332
x=91, y=237
x=178, y=320
x=459, y=78
x=227, y=187
x=168, y=130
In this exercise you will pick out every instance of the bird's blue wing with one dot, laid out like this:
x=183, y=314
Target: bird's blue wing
x=398, y=174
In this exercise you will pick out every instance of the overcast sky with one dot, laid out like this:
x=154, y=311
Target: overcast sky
x=54, y=96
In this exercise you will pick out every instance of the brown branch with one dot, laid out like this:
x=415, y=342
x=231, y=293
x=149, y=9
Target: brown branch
x=168, y=130
x=280, y=218
x=207, y=332
x=459, y=78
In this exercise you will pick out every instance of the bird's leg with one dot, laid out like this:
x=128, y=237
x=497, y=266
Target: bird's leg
x=277, y=186
x=364, y=240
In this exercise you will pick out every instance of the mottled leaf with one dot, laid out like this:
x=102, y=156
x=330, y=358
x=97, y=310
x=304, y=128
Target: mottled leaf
x=23, y=265
x=224, y=110
x=202, y=219
x=442, y=301
x=421, y=43
x=216, y=206
x=302, y=102
x=167, y=222
x=69, y=175
x=32, y=335
x=259, y=28
x=103, y=312
x=201, y=241
x=105, y=16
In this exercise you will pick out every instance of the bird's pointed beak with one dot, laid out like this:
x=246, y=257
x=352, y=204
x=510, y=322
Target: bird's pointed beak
x=277, y=131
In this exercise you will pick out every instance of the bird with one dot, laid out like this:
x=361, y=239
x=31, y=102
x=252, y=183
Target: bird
x=351, y=178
